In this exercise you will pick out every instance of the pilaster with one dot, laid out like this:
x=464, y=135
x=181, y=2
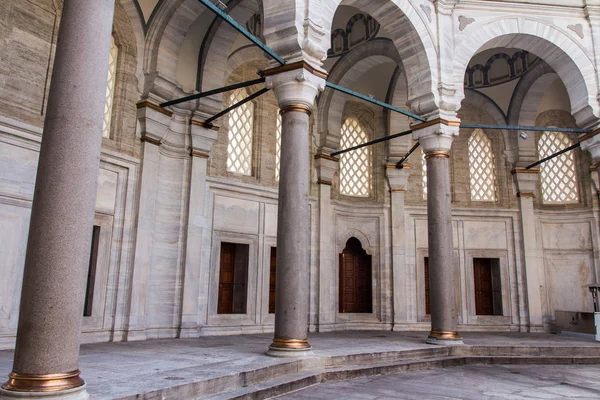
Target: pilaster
x=326, y=167
x=197, y=260
x=526, y=181
x=404, y=307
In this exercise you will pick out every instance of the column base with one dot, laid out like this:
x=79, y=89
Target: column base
x=445, y=338
x=289, y=348
x=79, y=393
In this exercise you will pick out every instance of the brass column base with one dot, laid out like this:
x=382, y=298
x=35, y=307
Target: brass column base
x=289, y=348
x=444, y=337
x=290, y=344
x=18, y=382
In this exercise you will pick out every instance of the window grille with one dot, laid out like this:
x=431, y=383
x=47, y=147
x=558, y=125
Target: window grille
x=424, y=174
x=481, y=167
x=355, y=166
x=558, y=175
x=110, y=88
x=239, y=148
x=278, y=147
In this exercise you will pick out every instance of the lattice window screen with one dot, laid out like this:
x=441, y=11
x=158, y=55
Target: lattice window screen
x=239, y=148
x=278, y=147
x=559, y=179
x=481, y=167
x=110, y=88
x=424, y=174
x=355, y=166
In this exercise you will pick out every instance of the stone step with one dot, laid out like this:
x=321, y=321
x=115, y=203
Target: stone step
x=287, y=384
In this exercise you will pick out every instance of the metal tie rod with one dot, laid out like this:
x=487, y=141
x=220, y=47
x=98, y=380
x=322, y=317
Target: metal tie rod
x=572, y=147
x=236, y=105
x=372, y=142
x=403, y=159
x=373, y=101
x=241, y=30
x=525, y=128
x=214, y=91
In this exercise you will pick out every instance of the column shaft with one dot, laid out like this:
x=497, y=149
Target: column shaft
x=293, y=224
x=442, y=276
x=57, y=257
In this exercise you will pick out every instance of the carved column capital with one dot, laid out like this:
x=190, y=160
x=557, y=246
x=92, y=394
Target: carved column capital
x=436, y=136
x=295, y=87
x=154, y=122
x=526, y=180
x=397, y=178
x=326, y=167
x=203, y=138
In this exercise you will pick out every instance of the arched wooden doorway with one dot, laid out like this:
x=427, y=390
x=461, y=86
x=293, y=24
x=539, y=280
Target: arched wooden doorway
x=355, y=279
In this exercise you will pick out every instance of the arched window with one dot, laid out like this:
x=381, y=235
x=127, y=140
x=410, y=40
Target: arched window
x=355, y=166
x=110, y=88
x=481, y=167
x=239, y=148
x=278, y=147
x=558, y=175
x=424, y=174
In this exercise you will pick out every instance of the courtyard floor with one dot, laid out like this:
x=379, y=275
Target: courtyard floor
x=342, y=363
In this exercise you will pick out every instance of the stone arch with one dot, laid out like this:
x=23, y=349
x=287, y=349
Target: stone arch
x=126, y=92
x=412, y=39
x=566, y=57
x=138, y=27
x=523, y=109
x=484, y=103
x=367, y=245
x=345, y=71
x=165, y=33
x=212, y=60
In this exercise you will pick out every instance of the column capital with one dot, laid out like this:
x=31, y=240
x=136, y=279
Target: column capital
x=326, y=167
x=295, y=84
x=203, y=138
x=526, y=180
x=397, y=178
x=436, y=135
x=154, y=121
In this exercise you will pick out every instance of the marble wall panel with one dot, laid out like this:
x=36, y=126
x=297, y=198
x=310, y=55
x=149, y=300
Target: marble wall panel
x=567, y=236
x=485, y=235
x=18, y=166
x=421, y=233
x=567, y=277
x=14, y=224
x=236, y=215
x=270, y=220
x=107, y=191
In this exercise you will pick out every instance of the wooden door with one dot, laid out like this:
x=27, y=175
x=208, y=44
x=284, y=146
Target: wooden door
x=355, y=294
x=484, y=294
x=272, y=280
x=226, y=272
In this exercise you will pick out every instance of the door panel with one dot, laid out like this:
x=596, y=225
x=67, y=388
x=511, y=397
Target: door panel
x=484, y=295
x=225, y=302
x=355, y=293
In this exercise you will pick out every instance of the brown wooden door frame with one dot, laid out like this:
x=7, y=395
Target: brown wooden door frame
x=226, y=270
x=355, y=279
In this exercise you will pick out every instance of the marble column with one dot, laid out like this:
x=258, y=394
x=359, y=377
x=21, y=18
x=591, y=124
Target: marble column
x=404, y=311
x=526, y=181
x=326, y=167
x=62, y=215
x=295, y=91
x=436, y=139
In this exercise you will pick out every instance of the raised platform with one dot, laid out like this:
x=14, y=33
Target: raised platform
x=237, y=367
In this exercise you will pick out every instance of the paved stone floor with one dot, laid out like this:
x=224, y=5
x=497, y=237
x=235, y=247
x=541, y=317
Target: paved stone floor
x=473, y=382
x=117, y=370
